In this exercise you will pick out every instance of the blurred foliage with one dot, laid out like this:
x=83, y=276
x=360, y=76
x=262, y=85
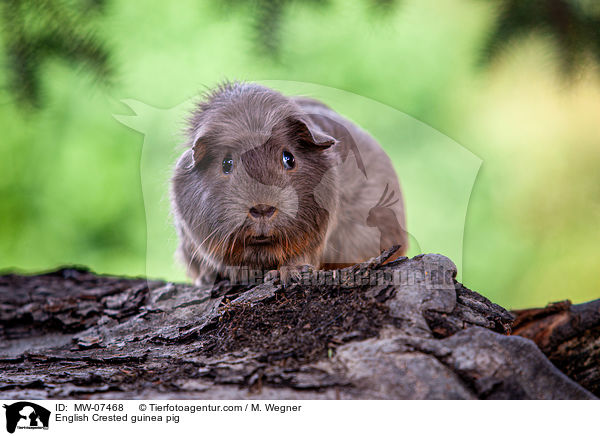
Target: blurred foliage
x=268, y=17
x=574, y=26
x=35, y=30
x=70, y=178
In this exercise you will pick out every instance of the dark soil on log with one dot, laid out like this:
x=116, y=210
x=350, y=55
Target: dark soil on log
x=301, y=324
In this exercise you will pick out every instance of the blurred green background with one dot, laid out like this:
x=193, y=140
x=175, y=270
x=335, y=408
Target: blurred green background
x=522, y=97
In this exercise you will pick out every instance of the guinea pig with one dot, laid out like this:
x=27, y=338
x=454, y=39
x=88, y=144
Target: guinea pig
x=271, y=182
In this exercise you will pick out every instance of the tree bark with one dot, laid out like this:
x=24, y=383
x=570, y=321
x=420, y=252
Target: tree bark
x=569, y=335
x=401, y=329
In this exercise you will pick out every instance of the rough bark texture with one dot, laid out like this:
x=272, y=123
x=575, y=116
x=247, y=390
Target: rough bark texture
x=569, y=335
x=401, y=329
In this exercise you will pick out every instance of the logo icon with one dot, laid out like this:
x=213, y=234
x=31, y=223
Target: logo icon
x=26, y=415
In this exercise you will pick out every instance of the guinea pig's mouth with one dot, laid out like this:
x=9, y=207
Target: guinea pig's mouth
x=260, y=240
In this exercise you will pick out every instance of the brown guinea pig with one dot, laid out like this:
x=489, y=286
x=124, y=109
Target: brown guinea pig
x=271, y=182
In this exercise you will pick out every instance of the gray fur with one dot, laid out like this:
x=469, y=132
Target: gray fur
x=330, y=209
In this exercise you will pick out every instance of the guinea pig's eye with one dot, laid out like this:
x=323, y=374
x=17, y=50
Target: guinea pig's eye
x=227, y=165
x=288, y=160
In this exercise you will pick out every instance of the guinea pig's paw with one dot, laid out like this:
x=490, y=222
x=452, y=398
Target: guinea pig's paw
x=289, y=275
x=293, y=274
x=272, y=276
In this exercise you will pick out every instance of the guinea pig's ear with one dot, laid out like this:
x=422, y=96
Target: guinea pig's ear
x=199, y=145
x=311, y=135
x=199, y=150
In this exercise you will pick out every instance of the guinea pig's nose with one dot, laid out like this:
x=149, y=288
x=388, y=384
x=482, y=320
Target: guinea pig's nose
x=262, y=211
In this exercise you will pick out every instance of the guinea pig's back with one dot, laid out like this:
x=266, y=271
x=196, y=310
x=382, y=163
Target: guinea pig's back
x=370, y=216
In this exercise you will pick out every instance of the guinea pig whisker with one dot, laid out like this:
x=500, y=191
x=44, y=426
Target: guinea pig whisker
x=233, y=239
x=197, y=249
x=193, y=256
x=221, y=243
x=205, y=239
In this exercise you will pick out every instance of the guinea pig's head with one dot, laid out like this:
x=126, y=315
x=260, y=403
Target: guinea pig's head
x=244, y=191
